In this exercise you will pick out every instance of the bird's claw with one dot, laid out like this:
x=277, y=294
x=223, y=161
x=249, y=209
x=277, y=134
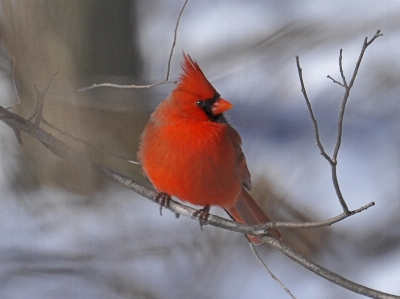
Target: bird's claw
x=202, y=214
x=163, y=199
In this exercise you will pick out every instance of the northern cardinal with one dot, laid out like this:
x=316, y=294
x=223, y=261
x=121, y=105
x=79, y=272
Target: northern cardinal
x=189, y=150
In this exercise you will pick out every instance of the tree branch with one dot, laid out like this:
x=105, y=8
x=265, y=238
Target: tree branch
x=318, y=140
x=333, y=160
x=60, y=149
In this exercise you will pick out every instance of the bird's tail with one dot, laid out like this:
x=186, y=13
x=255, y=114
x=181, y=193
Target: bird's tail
x=247, y=211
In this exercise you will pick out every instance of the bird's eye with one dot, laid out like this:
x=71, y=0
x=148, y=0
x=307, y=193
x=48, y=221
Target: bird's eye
x=201, y=104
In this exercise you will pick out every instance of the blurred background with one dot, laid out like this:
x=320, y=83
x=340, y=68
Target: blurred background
x=66, y=232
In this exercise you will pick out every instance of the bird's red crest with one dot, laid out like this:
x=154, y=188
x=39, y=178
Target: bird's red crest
x=193, y=80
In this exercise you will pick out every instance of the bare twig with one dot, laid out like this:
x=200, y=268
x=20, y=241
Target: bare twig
x=347, y=90
x=166, y=80
x=341, y=68
x=323, y=223
x=310, y=110
x=174, y=41
x=333, y=160
x=335, y=81
x=60, y=149
x=125, y=86
x=258, y=258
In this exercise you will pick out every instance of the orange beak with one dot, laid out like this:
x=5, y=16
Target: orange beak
x=220, y=106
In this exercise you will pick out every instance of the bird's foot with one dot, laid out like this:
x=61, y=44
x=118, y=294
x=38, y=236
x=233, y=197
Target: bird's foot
x=163, y=199
x=203, y=215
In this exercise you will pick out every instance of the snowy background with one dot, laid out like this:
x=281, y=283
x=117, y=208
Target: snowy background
x=110, y=243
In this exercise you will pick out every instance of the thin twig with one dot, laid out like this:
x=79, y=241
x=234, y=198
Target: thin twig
x=124, y=86
x=377, y=34
x=323, y=223
x=174, y=41
x=341, y=69
x=335, y=81
x=347, y=92
x=258, y=258
x=166, y=80
x=310, y=110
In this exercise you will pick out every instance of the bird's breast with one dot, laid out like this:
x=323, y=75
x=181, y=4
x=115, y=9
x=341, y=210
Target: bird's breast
x=194, y=161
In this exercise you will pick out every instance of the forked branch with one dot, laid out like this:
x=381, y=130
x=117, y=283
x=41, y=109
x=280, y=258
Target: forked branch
x=333, y=160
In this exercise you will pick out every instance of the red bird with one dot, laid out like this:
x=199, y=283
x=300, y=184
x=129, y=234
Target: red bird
x=189, y=150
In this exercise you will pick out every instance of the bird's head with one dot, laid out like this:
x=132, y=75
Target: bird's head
x=195, y=97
